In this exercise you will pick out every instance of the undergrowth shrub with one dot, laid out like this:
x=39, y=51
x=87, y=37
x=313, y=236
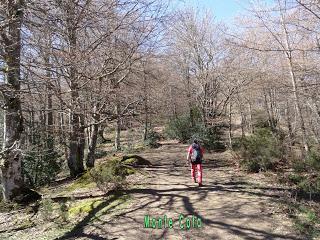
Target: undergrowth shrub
x=210, y=138
x=313, y=161
x=307, y=222
x=41, y=166
x=100, y=153
x=260, y=151
x=152, y=139
x=135, y=161
x=111, y=175
x=306, y=175
x=181, y=128
x=305, y=184
x=261, y=122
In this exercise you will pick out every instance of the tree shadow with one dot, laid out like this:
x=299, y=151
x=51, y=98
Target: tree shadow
x=244, y=231
x=165, y=198
x=78, y=230
x=178, y=193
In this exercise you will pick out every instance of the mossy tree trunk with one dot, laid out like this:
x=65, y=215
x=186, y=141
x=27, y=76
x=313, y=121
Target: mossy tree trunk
x=76, y=147
x=11, y=171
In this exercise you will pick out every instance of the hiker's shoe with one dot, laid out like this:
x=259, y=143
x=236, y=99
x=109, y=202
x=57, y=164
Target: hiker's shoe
x=200, y=185
x=195, y=180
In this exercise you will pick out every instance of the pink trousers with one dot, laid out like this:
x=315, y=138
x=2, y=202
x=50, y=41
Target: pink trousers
x=193, y=171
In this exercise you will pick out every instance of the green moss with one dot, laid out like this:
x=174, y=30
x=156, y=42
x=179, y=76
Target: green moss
x=131, y=171
x=84, y=206
x=139, y=147
x=89, y=205
x=117, y=166
x=84, y=182
x=118, y=204
x=6, y=207
x=130, y=161
x=26, y=224
x=135, y=160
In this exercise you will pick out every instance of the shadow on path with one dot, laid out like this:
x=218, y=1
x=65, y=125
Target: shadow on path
x=165, y=192
x=78, y=230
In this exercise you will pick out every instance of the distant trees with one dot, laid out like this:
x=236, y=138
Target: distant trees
x=265, y=69
x=283, y=38
x=197, y=52
x=207, y=67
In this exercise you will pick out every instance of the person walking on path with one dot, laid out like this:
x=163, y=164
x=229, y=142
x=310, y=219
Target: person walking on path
x=194, y=158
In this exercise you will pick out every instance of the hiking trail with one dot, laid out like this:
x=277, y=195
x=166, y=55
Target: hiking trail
x=229, y=204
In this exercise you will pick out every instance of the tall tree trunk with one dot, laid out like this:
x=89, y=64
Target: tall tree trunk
x=93, y=140
x=250, y=124
x=289, y=125
x=312, y=125
x=242, y=124
x=296, y=95
x=146, y=120
x=82, y=138
x=204, y=104
x=75, y=158
x=11, y=172
x=92, y=147
x=146, y=109
x=230, y=125
x=298, y=107
x=49, y=117
x=190, y=104
x=242, y=117
x=77, y=138
x=266, y=104
x=273, y=117
x=62, y=134
x=100, y=133
x=117, y=145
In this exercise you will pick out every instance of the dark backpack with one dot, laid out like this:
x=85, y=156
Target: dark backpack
x=196, y=155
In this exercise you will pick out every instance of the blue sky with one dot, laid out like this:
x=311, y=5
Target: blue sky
x=223, y=10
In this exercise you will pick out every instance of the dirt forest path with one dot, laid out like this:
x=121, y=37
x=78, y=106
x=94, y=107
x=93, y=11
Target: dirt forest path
x=229, y=205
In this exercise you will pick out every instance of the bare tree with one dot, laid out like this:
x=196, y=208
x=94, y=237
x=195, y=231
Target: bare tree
x=11, y=14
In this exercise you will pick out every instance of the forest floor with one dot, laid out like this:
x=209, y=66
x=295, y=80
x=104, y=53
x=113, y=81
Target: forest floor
x=231, y=205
